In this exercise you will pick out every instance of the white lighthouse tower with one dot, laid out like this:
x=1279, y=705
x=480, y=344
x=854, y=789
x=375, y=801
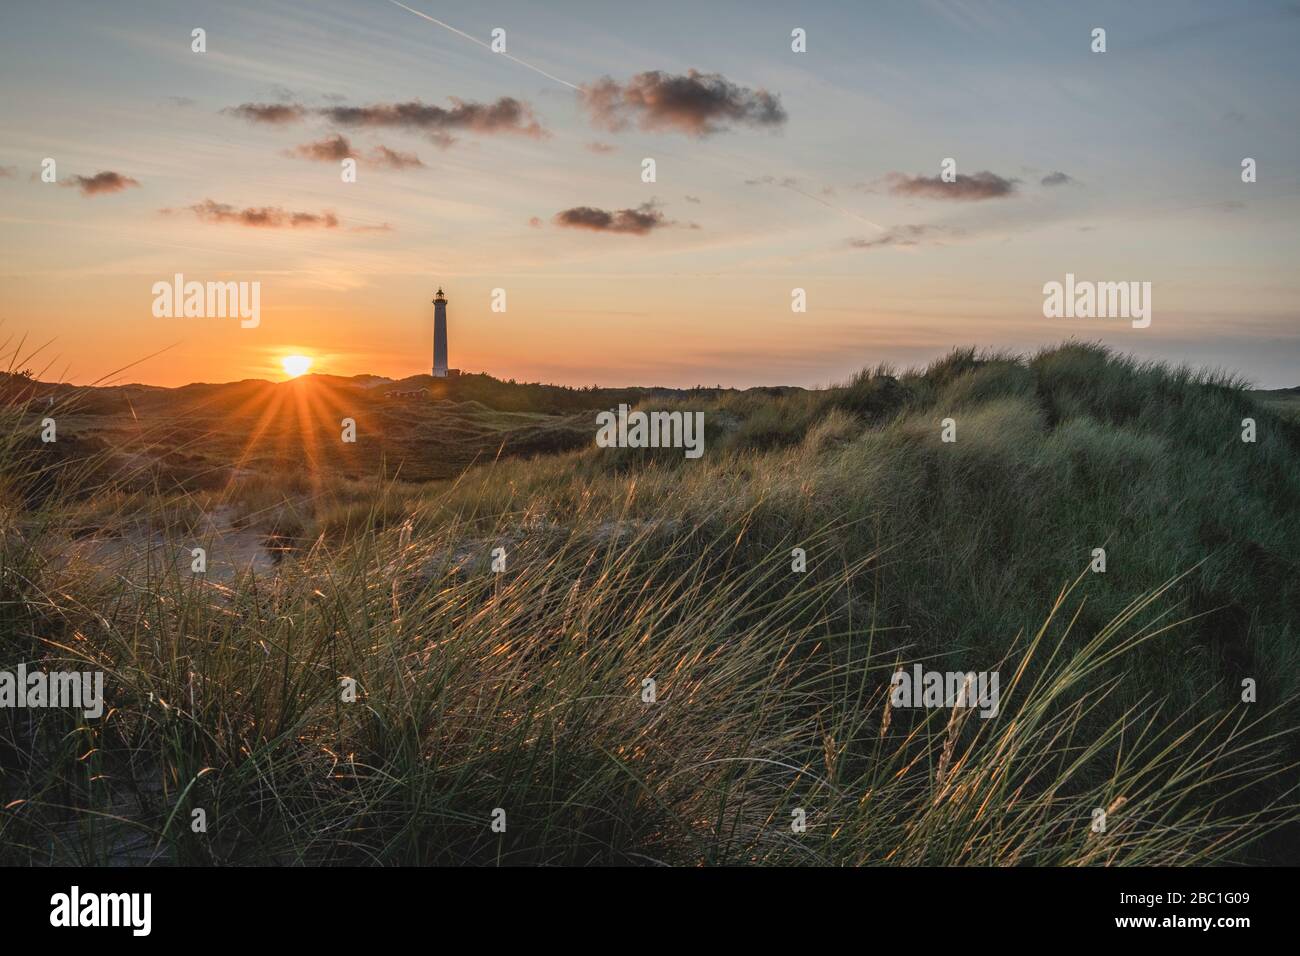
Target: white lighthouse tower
x=440, y=335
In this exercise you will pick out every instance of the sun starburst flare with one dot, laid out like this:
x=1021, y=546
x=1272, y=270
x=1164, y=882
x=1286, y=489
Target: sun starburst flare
x=295, y=365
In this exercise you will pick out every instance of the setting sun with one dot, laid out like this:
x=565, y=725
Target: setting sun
x=295, y=365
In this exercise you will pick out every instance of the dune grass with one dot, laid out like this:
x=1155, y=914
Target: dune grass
x=524, y=690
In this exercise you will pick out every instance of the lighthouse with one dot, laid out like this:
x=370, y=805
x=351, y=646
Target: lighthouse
x=440, y=335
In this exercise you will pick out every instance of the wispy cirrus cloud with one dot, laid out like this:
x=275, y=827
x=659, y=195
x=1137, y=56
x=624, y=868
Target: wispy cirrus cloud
x=637, y=222
x=972, y=188
x=697, y=104
x=101, y=183
x=905, y=236
x=260, y=217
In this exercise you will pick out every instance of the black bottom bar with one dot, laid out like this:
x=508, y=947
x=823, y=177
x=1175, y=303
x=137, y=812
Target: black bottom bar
x=303, y=906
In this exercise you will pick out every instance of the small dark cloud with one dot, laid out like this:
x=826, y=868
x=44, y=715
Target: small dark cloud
x=181, y=102
x=393, y=159
x=274, y=114
x=506, y=115
x=1057, y=179
x=786, y=181
x=903, y=236
x=330, y=149
x=535, y=222
x=8, y=172
x=382, y=227
x=599, y=147
x=638, y=222
x=100, y=183
x=694, y=103
x=337, y=147
x=261, y=217
x=977, y=186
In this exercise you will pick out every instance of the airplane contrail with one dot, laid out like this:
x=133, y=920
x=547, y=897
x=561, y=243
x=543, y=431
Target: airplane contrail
x=462, y=33
x=831, y=205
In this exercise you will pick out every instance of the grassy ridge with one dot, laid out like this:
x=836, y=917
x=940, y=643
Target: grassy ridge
x=522, y=690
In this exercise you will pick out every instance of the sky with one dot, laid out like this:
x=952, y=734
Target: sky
x=522, y=171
